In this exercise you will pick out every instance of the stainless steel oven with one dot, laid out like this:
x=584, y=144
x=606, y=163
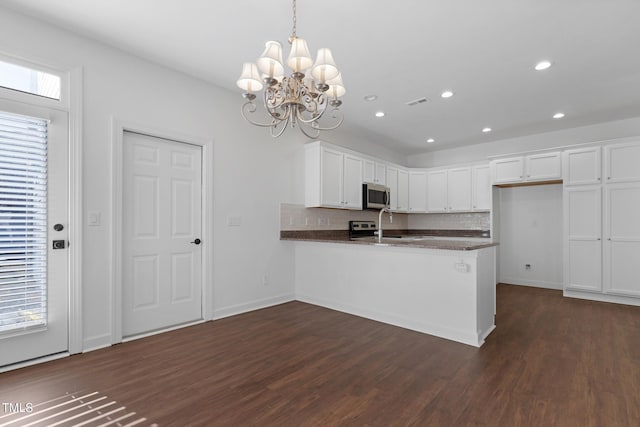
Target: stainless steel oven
x=375, y=196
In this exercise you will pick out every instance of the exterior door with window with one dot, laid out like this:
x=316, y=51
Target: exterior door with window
x=34, y=263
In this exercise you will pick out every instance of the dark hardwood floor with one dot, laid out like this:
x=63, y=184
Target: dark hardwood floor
x=551, y=361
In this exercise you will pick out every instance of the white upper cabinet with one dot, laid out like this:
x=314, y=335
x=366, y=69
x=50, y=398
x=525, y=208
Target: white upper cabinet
x=449, y=190
x=333, y=178
x=531, y=168
x=459, y=189
x=352, y=182
x=437, y=191
x=508, y=170
x=480, y=188
x=543, y=167
x=403, y=190
x=375, y=172
x=398, y=183
x=622, y=162
x=582, y=166
x=417, y=191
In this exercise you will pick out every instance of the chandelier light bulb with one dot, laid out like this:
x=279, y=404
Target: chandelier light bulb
x=270, y=63
x=249, y=80
x=325, y=67
x=299, y=57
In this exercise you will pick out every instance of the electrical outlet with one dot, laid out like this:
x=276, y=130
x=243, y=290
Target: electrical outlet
x=527, y=266
x=322, y=221
x=265, y=280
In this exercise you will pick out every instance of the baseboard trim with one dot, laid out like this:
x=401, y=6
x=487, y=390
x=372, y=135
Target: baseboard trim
x=531, y=283
x=233, y=310
x=614, y=299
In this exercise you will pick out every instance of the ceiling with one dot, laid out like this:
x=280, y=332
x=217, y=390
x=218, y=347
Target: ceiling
x=483, y=51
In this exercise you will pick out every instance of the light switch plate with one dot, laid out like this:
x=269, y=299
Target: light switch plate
x=93, y=219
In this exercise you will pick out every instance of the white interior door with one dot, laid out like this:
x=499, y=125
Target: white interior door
x=34, y=198
x=162, y=209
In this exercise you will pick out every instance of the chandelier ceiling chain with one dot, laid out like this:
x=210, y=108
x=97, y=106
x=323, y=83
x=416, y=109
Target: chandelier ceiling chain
x=303, y=97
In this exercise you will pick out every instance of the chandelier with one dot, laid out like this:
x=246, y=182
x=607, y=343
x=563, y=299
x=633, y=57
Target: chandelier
x=300, y=99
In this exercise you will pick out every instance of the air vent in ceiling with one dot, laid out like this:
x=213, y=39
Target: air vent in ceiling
x=416, y=101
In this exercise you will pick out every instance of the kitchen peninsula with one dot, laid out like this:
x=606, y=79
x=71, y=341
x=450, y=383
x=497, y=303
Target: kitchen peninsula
x=439, y=286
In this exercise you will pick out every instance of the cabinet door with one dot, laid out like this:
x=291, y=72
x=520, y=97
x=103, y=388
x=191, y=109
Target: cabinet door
x=508, y=170
x=417, y=191
x=622, y=162
x=622, y=244
x=459, y=189
x=583, y=242
x=381, y=173
x=543, y=167
x=582, y=166
x=352, y=182
x=481, y=188
x=369, y=171
x=331, y=178
x=437, y=191
x=403, y=190
x=392, y=183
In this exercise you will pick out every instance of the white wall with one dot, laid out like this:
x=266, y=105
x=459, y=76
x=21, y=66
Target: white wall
x=578, y=135
x=252, y=175
x=531, y=233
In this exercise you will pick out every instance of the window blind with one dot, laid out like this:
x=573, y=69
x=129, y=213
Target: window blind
x=23, y=222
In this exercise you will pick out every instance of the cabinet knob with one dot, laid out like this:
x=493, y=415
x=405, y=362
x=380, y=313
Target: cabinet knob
x=598, y=238
x=608, y=177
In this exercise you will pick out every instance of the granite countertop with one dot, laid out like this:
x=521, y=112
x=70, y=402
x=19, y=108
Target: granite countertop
x=412, y=240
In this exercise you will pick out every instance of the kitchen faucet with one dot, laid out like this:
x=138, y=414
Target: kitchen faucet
x=379, y=232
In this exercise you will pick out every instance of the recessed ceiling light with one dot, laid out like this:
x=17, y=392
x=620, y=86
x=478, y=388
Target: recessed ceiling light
x=542, y=65
x=485, y=130
x=370, y=98
x=431, y=141
x=380, y=114
x=446, y=94
x=558, y=115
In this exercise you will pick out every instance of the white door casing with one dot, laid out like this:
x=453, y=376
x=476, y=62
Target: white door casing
x=162, y=218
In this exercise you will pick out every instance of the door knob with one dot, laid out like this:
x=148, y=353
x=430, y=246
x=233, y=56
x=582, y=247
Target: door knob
x=196, y=242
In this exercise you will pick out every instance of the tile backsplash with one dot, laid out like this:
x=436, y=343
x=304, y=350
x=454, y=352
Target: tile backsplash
x=297, y=217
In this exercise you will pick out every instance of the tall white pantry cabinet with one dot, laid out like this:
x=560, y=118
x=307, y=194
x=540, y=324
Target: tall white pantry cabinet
x=602, y=222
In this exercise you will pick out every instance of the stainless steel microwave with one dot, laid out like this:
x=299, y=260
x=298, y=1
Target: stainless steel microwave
x=375, y=196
